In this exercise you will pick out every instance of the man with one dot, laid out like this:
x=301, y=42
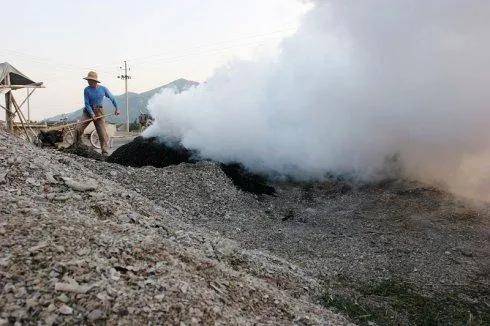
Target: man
x=93, y=95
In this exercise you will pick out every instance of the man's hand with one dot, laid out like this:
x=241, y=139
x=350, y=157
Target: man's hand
x=117, y=112
x=92, y=116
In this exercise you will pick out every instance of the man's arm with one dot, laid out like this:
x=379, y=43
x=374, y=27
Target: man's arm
x=110, y=97
x=88, y=108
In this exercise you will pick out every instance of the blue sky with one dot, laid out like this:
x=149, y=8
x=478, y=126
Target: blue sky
x=57, y=42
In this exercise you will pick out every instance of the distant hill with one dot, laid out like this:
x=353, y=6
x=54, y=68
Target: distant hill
x=137, y=103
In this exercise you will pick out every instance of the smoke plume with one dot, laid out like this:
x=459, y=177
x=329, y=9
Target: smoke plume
x=359, y=83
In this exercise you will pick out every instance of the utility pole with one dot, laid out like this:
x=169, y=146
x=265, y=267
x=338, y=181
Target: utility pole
x=126, y=77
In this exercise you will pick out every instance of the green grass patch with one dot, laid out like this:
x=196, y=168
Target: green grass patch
x=392, y=302
x=357, y=312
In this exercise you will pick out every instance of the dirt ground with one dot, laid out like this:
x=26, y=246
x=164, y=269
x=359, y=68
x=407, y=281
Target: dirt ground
x=78, y=248
x=397, y=252
x=429, y=246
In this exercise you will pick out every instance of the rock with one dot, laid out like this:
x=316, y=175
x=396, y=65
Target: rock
x=59, y=197
x=114, y=274
x=104, y=297
x=159, y=297
x=50, y=319
x=20, y=292
x=31, y=303
x=133, y=217
x=72, y=287
x=51, y=307
x=184, y=288
x=4, y=262
x=32, y=181
x=87, y=185
x=40, y=246
x=9, y=287
x=96, y=315
x=65, y=310
x=60, y=248
x=63, y=197
x=466, y=252
x=63, y=298
x=50, y=178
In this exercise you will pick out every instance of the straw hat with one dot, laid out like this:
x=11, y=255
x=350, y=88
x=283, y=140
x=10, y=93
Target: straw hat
x=92, y=75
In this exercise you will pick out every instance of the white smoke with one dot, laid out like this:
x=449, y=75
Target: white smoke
x=358, y=83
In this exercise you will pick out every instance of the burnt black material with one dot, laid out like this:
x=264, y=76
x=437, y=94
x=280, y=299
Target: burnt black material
x=50, y=138
x=83, y=151
x=246, y=180
x=150, y=152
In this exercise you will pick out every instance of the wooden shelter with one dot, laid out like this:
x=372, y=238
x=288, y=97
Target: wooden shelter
x=12, y=79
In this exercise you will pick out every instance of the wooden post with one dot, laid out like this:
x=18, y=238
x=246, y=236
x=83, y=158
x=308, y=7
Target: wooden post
x=22, y=118
x=9, y=114
x=22, y=122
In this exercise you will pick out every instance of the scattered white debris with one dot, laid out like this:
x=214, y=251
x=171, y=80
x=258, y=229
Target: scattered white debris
x=50, y=178
x=95, y=315
x=65, y=310
x=39, y=246
x=87, y=185
x=63, y=298
x=72, y=287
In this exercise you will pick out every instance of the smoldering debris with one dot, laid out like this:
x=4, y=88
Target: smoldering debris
x=246, y=180
x=152, y=152
x=354, y=85
x=83, y=151
x=50, y=138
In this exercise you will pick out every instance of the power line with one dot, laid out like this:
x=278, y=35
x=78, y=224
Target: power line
x=72, y=67
x=134, y=60
x=54, y=64
x=214, y=51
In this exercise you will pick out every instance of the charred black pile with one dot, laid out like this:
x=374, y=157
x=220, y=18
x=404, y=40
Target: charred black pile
x=83, y=151
x=50, y=138
x=247, y=181
x=151, y=152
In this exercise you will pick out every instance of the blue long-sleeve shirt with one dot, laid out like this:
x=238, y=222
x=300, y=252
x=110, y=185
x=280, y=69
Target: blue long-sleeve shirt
x=94, y=96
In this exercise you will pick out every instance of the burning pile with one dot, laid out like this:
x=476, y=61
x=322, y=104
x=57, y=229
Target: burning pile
x=152, y=152
x=83, y=150
x=149, y=151
x=50, y=138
